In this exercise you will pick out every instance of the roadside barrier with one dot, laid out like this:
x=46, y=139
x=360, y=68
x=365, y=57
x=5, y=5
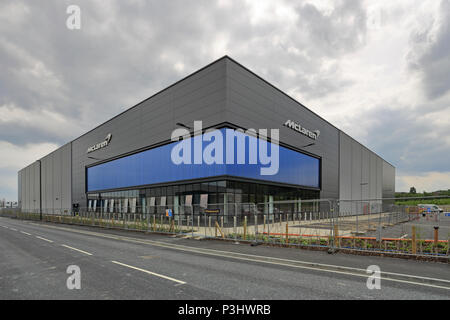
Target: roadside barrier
x=393, y=229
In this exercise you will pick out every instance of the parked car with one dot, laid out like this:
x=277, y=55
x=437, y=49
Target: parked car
x=430, y=208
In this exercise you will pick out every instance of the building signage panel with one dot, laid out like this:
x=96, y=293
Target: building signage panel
x=100, y=144
x=297, y=127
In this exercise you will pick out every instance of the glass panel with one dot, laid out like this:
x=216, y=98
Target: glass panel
x=163, y=201
x=111, y=205
x=133, y=205
x=204, y=200
x=188, y=200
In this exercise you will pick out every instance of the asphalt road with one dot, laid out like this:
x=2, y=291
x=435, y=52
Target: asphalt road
x=114, y=264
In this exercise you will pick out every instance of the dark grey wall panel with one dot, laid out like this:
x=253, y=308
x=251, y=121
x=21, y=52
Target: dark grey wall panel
x=66, y=177
x=198, y=97
x=253, y=103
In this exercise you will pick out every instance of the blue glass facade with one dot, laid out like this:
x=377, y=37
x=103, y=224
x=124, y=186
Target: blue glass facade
x=156, y=166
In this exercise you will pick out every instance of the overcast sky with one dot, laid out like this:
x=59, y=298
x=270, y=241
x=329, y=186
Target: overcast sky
x=378, y=70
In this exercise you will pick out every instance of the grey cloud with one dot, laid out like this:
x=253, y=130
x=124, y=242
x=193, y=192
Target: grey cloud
x=341, y=31
x=92, y=74
x=19, y=134
x=430, y=53
x=402, y=136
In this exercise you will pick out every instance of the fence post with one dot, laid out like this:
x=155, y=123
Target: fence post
x=264, y=223
x=357, y=225
x=192, y=215
x=287, y=233
x=235, y=229
x=336, y=235
x=245, y=228
x=209, y=225
x=436, y=236
x=256, y=227
x=413, y=239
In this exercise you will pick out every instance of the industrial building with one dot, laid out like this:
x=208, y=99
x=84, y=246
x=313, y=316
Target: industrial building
x=125, y=164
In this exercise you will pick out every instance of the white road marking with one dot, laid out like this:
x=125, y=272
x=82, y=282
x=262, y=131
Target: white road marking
x=28, y=234
x=149, y=272
x=5, y=227
x=254, y=258
x=89, y=254
x=44, y=239
x=13, y=229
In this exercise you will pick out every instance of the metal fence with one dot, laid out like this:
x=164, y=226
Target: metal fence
x=371, y=225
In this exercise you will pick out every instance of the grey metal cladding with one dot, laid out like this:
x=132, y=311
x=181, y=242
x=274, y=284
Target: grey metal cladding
x=200, y=96
x=388, y=180
x=254, y=103
x=361, y=174
x=19, y=188
x=55, y=180
x=28, y=188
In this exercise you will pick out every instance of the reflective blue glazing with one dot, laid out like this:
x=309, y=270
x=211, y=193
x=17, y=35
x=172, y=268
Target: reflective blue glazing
x=156, y=166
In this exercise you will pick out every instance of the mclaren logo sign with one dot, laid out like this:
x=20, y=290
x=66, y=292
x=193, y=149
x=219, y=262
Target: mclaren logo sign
x=100, y=144
x=297, y=127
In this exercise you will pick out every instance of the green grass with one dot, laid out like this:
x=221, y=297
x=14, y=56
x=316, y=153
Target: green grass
x=423, y=201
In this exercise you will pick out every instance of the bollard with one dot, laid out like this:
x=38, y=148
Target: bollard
x=413, y=240
x=245, y=227
x=436, y=236
x=336, y=236
x=287, y=233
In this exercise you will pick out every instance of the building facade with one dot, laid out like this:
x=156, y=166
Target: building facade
x=125, y=163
